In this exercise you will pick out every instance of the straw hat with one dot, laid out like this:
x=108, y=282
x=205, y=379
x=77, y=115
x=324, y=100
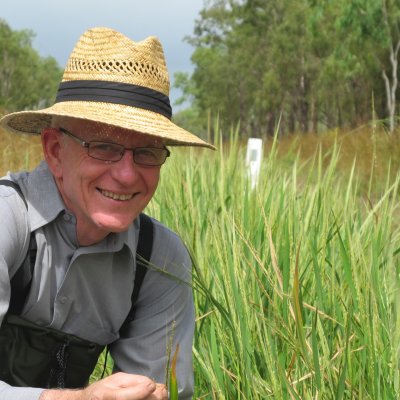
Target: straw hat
x=111, y=79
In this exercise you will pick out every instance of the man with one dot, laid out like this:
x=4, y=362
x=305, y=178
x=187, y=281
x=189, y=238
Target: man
x=104, y=141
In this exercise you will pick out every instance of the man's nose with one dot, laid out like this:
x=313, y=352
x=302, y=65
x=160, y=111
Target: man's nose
x=125, y=170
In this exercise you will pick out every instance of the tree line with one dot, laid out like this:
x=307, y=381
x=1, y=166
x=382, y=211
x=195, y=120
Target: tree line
x=300, y=65
x=27, y=80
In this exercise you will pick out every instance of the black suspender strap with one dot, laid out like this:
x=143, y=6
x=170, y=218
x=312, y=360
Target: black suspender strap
x=143, y=254
x=21, y=281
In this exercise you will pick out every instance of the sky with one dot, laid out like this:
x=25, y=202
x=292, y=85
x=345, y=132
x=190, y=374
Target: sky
x=59, y=24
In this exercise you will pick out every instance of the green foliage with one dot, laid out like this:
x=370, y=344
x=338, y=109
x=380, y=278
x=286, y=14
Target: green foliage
x=27, y=80
x=296, y=283
x=302, y=65
x=372, y=33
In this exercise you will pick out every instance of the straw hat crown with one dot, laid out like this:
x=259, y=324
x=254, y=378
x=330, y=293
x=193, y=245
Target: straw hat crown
x=105, y=54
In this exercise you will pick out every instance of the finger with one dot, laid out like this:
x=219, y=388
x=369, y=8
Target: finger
x=161, y=392
x=138, y=392
x=121, y=386
x=121, y=379
x=135, y=393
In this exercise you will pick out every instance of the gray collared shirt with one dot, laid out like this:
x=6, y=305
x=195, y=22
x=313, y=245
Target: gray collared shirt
x=86, y=291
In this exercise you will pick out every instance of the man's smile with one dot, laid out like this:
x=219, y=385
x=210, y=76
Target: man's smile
x=116, y=196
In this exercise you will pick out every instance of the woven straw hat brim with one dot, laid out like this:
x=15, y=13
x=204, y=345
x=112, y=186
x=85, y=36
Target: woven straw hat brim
x=135, y=119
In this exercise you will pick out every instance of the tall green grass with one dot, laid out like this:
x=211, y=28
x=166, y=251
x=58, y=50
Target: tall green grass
x=297, y=282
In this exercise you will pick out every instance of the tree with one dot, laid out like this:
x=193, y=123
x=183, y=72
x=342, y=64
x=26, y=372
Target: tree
x=304, y=65
x=373, y=31
x=26, y=79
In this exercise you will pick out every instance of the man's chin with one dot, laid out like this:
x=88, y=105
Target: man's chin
x=114, y=224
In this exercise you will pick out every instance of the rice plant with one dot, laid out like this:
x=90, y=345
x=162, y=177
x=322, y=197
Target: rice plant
x=296, y=283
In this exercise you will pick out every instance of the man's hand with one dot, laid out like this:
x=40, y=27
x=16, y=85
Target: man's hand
x=120, y=386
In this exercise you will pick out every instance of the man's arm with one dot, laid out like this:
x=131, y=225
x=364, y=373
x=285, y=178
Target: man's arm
x=14, y=240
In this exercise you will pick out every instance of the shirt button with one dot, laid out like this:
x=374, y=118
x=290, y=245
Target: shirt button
x=66, y=217
x=63, y=299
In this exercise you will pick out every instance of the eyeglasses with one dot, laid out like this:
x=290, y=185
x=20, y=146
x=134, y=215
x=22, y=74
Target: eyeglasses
x=112, y=152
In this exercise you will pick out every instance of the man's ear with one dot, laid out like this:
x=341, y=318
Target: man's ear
x=51, y=144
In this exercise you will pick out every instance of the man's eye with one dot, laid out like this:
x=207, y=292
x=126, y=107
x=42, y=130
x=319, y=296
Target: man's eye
x=105, y=147
x=147, y=154
x=106, y=151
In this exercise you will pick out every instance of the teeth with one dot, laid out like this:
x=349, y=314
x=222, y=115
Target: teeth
x=116, y=196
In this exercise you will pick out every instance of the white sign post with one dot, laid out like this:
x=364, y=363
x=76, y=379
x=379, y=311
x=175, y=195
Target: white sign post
x=253, y=160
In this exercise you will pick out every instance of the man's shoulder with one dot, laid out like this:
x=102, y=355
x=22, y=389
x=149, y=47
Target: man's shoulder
x=12, y=198
x=14, y=177
x=41, y=194
x=15, y=225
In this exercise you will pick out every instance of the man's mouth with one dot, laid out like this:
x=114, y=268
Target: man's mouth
x=116, y=196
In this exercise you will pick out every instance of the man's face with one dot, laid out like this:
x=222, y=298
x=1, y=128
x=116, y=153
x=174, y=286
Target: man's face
x=104, y=196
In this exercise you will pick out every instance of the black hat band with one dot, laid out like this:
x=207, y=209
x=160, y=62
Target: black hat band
x=116, y=93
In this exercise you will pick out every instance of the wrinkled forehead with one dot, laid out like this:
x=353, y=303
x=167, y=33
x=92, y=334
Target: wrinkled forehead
x=92, y=130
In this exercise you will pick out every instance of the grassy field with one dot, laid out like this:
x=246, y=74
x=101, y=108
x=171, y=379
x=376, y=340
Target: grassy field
x=297, y=282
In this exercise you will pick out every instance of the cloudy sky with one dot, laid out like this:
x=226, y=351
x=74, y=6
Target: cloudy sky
x=58, y=24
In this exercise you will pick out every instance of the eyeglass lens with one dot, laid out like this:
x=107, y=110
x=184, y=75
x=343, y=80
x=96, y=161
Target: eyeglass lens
x=114, y=152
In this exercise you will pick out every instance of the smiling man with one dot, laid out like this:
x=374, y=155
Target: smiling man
x=106, y=184
x=74, y=243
